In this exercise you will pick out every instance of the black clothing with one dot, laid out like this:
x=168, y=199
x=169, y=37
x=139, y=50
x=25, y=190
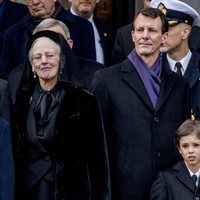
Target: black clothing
x=58, y=138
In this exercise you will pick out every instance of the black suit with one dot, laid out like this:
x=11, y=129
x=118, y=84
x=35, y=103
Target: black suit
x=107, y=34
x=123, y=44
x=140, y=139
x=174, y=184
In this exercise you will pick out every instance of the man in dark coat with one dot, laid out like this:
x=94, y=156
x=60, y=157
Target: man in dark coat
x=176, y=47
x=14, y=43
x=142, y=105
x=103, y=32
x=6, y=162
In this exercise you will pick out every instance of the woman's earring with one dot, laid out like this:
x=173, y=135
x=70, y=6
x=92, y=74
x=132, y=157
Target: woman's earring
x=61, y=70
x=34, y=74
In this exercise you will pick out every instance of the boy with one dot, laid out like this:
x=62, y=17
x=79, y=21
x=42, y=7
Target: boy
x=181, y=181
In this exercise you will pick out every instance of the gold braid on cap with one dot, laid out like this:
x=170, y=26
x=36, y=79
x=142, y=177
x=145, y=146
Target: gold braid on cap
x=192, y=115
x=162, y=8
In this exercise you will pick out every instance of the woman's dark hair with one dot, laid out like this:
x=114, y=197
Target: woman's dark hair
x=187, y=128
x=153, y=13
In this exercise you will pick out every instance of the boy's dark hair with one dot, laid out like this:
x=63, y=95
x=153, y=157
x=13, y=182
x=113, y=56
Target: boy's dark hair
x=187, y=128
x=153, y=13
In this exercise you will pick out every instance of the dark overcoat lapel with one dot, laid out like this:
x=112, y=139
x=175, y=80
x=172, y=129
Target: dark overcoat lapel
x=167, y=85
x=134, y=81
x=183, y=176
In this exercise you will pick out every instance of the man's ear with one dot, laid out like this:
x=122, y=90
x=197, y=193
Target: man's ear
x=70, y=42
x=186, y=32
x=133, y=36
x=164, y=37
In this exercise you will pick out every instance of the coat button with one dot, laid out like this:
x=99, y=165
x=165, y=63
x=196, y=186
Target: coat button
x=157, y=154
x=47, y=158
x=156, y=119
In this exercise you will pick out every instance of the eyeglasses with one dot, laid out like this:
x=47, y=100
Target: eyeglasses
x=29, y=1
x=38, y=58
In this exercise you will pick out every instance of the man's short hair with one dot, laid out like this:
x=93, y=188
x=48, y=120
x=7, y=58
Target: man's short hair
x=153, y=13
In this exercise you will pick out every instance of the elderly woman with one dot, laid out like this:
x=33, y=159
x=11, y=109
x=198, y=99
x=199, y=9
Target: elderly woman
x=58, y=134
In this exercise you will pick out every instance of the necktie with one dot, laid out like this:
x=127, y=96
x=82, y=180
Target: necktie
x=194, y=177
x=178, y=66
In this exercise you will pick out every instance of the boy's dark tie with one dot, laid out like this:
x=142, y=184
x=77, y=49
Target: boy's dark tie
x=194, y=177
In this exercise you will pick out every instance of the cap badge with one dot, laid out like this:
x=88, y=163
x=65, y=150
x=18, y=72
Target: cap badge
x=162, y=8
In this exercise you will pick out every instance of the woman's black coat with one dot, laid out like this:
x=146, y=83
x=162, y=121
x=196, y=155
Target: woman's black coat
x=80, y=148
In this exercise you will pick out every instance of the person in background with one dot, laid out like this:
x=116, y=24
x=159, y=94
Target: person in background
x=103, y=32
x=137, y=99
x=181, y=181
x=59, y=143
x=14, y=43
x=178, y=57
x=10, y=13
x=6, y=162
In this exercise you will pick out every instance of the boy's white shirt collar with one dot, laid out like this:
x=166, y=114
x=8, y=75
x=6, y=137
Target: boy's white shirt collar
x=197, y=173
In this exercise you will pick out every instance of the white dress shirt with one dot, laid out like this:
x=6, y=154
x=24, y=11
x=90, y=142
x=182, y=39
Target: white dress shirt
x=98, y=47
x=184, y=62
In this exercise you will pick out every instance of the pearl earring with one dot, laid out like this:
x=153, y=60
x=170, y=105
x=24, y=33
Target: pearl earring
x=34, y=74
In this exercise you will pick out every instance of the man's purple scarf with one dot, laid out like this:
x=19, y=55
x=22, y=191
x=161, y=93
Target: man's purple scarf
x=151, y=77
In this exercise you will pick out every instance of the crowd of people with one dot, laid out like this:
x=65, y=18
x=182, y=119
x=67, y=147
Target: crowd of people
x=90, y=113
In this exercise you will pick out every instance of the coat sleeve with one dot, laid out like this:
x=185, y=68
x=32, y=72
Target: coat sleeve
x=98, y=88
x=6, y=163
x=159, y=188
x=97, y=154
